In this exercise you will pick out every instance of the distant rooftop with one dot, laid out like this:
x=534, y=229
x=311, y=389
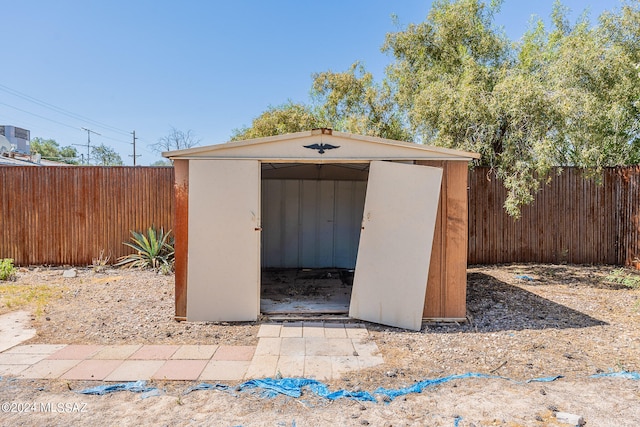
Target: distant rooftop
x=18, y=159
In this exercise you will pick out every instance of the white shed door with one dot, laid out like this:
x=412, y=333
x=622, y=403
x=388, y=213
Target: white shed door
x=398, y=223
x=223, y=281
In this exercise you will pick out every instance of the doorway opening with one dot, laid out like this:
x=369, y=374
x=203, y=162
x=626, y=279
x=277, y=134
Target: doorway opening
x=311, y=217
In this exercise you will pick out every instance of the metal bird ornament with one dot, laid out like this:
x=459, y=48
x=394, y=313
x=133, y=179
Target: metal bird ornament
x=322, y=147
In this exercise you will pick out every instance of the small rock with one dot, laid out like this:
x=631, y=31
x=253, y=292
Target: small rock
x=543, y=392
x=47, y=318
x=364, y=422
x=392, y=373
x=363, y=408
x=574, y=420
x=70, y=274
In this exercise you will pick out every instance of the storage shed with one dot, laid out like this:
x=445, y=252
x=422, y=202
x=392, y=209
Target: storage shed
x=384, y=222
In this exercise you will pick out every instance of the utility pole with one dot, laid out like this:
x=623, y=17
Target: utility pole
x=89, y=132
x=134, y=148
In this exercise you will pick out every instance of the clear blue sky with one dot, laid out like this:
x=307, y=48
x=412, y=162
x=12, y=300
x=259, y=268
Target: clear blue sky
x=208, y=66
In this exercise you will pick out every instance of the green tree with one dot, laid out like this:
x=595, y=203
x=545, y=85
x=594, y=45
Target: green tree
x=105, y=156
x=286, y=118
x=560, y=97
x=351, y=101
x=49, y=149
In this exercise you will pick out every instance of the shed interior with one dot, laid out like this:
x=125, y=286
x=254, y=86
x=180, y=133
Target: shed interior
x=311, y=220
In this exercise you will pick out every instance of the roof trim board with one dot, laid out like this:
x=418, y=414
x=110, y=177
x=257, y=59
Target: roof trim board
x=308, y=146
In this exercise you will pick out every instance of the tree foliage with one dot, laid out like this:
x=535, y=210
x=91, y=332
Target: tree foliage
x=176, y=140
x=105, y=156
x=351, y=101
x=49, y=149
x=563, y=95
x=286, y=118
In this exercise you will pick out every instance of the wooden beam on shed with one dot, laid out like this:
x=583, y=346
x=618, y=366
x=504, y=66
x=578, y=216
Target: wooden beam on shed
x=181, y=233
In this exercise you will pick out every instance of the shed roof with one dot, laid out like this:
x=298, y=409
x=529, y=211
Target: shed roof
x=321, y=146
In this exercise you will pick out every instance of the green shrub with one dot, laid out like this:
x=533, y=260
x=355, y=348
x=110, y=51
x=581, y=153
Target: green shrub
x=153, y=250
x=622, y=277
x=7, y=270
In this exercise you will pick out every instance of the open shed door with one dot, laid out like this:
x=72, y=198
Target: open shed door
x=394, y=254
x=224, y=240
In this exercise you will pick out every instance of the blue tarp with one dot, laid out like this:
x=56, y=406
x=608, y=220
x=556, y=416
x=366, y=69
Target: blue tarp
x=134, y=387
x=418, y=387
x=622, y=374
x=293, y=387
x=544, y=379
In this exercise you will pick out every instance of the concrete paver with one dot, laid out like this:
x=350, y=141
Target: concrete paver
x=75, y=352
x=195, y=352
x=334, y=330
x=290, y=366
x=12, y=370
x=91, y=370
x=269, y=330
x=291, y=330
x=113, y=352
x=268, y=346
x=224, y=370
x=36, y=349
x=155, y=352
x=356, y=330
x=293, y=346
x=15, y=329
x=292, y=349
x=48, y=369
x=262, y=366
x=20, y=359
x=234, y=352
x=134, y=370
x=317, y=367
x=312, y=329
x=188, y=370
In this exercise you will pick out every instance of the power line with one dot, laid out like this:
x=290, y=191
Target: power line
x=39, y=116
x=60, y=110
x=58, y=122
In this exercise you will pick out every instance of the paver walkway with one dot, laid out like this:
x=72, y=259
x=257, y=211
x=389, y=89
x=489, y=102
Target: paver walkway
x=297, y=349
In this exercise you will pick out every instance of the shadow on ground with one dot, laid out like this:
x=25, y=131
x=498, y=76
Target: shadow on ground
x=494, y=306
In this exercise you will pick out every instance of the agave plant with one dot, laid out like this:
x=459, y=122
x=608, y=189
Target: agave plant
x=153, y=250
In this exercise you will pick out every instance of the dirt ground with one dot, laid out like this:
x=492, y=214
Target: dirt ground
x=524, y=322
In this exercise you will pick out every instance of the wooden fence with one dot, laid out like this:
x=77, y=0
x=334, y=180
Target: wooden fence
x=573, y=219
x=68, y=215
